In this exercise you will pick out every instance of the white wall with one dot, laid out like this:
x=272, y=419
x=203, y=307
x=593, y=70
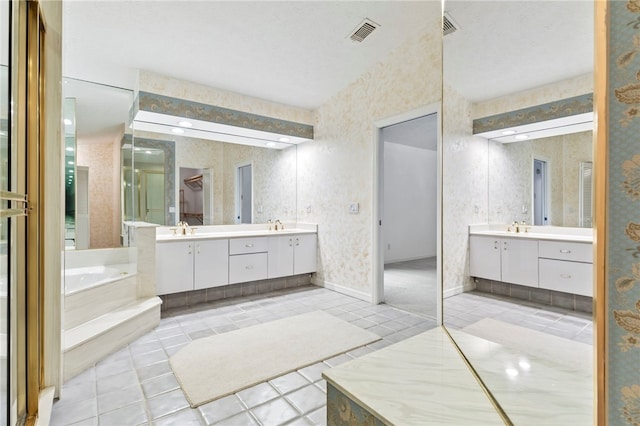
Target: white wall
x=410, y=202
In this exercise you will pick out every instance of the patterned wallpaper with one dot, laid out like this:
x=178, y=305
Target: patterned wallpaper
x=623, y=219
x=562, y=89
x=156, y=83
x=336, y=169
x=465, y=185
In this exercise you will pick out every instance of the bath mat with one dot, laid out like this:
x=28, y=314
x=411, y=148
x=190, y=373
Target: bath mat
x=219, y=365
x=532, y=342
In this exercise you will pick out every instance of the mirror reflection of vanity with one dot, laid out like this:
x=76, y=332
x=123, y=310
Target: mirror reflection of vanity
x=531, y=346
x=135, y=173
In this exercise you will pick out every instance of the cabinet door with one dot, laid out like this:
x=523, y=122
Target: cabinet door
x=484, y=257
x=174, y=267
x=280, y=256
x=305, y=253
x=520, y=261
x=211, y=263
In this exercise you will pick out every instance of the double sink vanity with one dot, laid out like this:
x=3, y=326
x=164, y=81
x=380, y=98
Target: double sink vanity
x=545, y=257
x=214, y=256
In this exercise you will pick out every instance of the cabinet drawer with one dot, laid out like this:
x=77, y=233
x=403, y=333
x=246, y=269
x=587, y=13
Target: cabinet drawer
x=568, y=277
x=577, y=252
x=248, y=245
x=248, y=267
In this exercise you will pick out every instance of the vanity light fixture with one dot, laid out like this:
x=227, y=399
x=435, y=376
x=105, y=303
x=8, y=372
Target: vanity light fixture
x=509, y=132
x=521, y=137
x=177, y=130
x=185, y=123
x=67, y=122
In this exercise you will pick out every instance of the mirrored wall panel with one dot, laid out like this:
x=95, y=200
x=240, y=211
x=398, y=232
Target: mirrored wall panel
x=517, y=242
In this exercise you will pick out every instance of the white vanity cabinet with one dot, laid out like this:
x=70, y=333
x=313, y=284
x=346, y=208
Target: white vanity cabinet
x=188, y=265
x=510, y=260
x=248, y=259
x=292, y=255
x=566, y=267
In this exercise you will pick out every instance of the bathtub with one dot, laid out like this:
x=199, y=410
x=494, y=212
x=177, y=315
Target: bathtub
x=81, y=278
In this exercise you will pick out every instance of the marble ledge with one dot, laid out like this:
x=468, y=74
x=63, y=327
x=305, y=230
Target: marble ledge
x=419, y=381
x=523, y=379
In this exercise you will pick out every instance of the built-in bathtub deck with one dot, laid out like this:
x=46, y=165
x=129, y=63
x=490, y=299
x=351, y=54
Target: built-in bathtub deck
x=425, y=381
x=419, y=381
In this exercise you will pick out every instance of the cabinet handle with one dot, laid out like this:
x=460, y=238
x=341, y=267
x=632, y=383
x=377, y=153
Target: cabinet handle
x=567, y=276
x=290, y=242
x=189, y=248
x=297, y=241
x=248, y=267
x=495, y=245
x=565, y=251
x=248, y=245
x=198, y=248
x=504, y=245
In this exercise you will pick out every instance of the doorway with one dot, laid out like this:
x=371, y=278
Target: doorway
x=408, y=210
x=540, y=200
x=244, y=185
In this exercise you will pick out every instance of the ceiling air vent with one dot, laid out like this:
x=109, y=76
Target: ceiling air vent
x=448, y=25
x=361, y=32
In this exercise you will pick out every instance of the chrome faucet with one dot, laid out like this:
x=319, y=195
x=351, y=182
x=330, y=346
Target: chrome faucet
x=269, y=223
x=279, y=223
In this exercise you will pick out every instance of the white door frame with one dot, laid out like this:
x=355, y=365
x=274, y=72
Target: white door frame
x=547, y=188
x=237, y=190
x=377, y=260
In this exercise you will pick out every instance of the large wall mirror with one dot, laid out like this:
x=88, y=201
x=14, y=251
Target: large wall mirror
x=534, y=357
x=193, y=178
x=117, y=171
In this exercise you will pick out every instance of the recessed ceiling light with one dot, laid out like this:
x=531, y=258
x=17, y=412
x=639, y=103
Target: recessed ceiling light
x=522, y=137
x=184, y=123
x=177, y=130
x=67, y=122
x=147, y=152
x=69, y=162
x=270, y=144
x=508, y=132
x=283, y=139
x=3, y=133
x=137, y=149
x=511, y=372
x=70, y=148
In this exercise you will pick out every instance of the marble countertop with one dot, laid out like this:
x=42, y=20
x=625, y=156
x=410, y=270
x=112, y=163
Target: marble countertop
x=419, y=381
x=548, y=233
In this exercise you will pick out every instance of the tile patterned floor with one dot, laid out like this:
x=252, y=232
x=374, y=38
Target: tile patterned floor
x=412, y=286
x=136, y=386
x=466, y=308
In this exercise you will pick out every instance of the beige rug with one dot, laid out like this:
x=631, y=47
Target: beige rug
x=532, y=342
x=220, y=365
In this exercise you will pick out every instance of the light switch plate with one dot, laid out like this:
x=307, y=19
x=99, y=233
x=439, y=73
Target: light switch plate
x=354, y=208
